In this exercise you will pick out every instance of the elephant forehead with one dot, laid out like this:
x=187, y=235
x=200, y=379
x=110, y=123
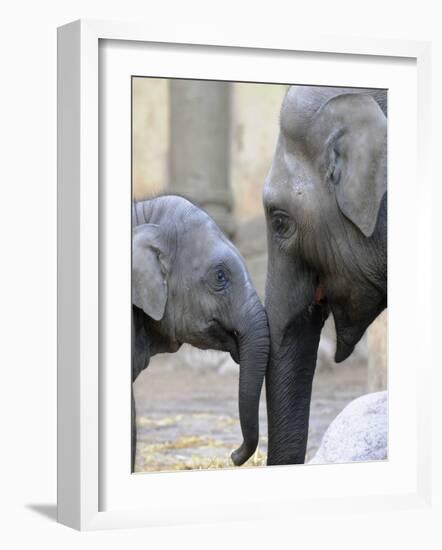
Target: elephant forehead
x=196, y=245
x=290, y=177
x=203, y=246
x=301, y=103
x=299, y=107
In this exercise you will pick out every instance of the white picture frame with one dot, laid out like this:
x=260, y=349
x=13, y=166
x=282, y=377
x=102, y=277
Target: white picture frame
x=82, y=470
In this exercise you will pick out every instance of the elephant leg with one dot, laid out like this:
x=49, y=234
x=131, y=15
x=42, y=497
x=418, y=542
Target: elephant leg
x=140, y=360
x=134, y=433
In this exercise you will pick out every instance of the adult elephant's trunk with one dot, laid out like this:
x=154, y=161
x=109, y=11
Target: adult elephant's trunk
x=296, y=316
x=289, y=387
x=254, y=344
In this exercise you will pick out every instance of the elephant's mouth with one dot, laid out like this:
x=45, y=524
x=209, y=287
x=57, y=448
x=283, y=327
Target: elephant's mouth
x=225, y=340
x=234, y=352
x=320, y=295
x=321, y=300
x=343, y=349
x=350, y=321
x=232, y=345
x=348, y=333
x=344, y=344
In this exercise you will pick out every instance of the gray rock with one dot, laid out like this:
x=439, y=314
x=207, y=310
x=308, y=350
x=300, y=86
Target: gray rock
x=359, y=433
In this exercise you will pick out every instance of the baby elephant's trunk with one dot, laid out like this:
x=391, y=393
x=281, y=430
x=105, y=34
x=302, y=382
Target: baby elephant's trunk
x=254, y=344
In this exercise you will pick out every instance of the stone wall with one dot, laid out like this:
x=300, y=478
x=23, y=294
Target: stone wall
x=255, y=128
x=252, y=113
x=377, y=340
x=150, y=126
x=199, y=147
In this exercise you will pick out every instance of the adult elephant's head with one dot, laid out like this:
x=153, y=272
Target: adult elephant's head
x=193, y=286
x=326, y=207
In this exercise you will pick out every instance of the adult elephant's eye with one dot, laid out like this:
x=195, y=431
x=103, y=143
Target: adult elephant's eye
x=281, y=224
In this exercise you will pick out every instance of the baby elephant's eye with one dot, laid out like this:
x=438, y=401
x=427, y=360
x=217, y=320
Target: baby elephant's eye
x=220, y=276
x=219, y=279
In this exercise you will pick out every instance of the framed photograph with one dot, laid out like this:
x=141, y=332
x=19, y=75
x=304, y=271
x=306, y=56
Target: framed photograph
x=223, y=237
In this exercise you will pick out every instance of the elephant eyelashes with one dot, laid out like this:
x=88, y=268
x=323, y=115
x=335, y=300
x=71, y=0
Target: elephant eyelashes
x=221, y=276
x=220, y=279
x=281, y=224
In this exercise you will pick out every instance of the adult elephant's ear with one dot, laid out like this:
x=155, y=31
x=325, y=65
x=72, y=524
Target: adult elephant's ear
x=357, y=152
x=149, y=271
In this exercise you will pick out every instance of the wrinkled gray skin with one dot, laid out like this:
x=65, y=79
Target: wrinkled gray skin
x=191, y=285
x=326, y=208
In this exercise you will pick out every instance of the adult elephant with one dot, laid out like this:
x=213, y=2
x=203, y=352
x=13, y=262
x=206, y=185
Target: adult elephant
x=191, y=285
x=326, y=209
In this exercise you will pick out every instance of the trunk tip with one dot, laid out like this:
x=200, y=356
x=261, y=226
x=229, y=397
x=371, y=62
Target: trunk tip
x=243, y=453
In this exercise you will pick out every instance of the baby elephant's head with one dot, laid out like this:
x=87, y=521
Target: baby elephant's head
x=192, y=283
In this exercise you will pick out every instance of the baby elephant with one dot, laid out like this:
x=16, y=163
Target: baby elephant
x=191, y=285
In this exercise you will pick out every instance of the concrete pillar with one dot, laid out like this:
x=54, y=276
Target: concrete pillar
x=378, y=353
x=200, y=146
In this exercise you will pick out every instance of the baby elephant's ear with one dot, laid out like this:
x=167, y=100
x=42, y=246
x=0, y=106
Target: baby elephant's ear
x=149, y=271
x=360, y=156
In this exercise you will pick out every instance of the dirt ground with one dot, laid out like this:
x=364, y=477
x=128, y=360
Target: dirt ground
x=187, y=418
